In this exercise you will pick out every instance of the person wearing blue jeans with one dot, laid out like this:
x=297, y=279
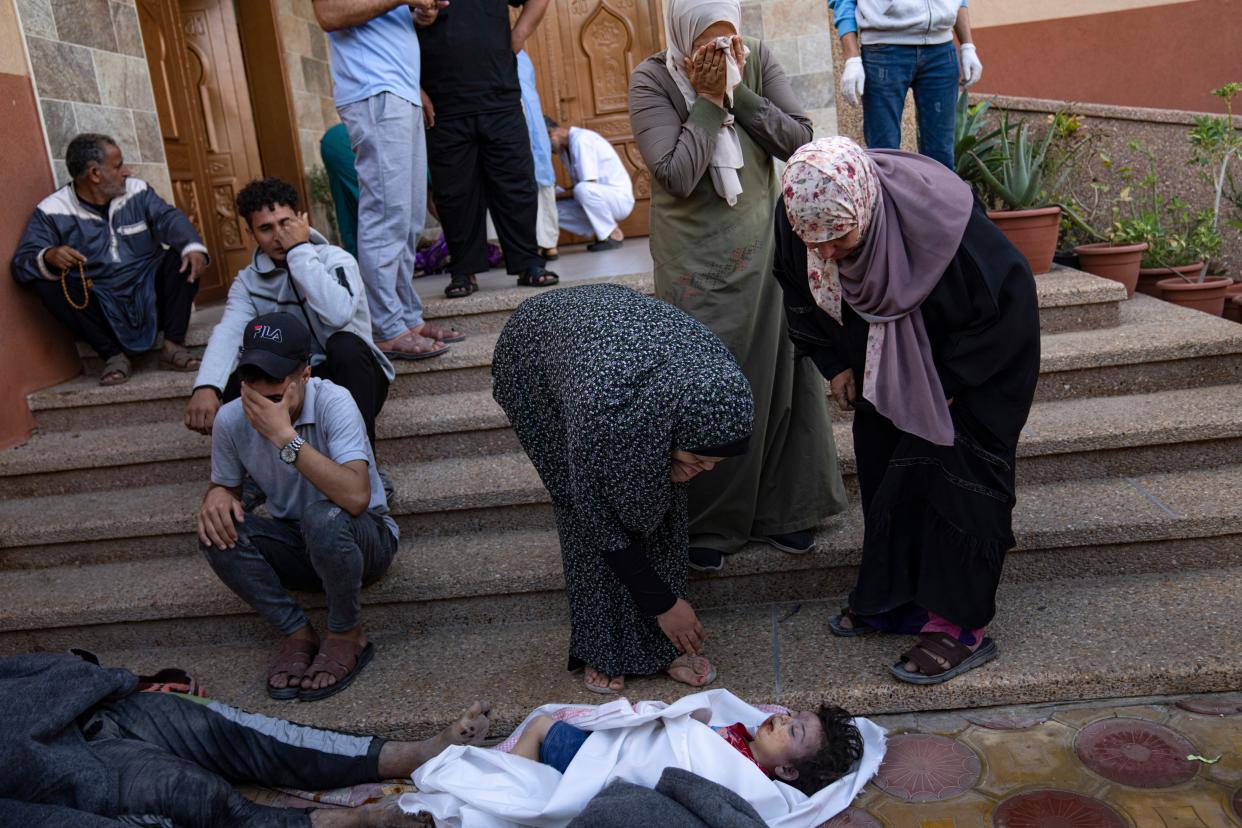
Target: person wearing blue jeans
x=893, y=47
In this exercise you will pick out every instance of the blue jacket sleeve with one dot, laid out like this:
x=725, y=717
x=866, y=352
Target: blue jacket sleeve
x=40, y=234
x=170, y=225
x=843, y=16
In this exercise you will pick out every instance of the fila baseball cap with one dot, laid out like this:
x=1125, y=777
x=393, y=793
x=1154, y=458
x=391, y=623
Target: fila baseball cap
x=275, y=343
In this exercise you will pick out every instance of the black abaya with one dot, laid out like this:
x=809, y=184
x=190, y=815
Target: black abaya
x=938, y=518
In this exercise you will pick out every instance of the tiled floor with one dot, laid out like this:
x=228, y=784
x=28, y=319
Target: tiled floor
x=1164, y=763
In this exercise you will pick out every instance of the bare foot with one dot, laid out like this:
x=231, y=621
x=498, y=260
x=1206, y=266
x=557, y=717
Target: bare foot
x=617, y=235
x=595, y=678
x=398, y=760
x=411, y=344
x=695, y=671
x=386, y=813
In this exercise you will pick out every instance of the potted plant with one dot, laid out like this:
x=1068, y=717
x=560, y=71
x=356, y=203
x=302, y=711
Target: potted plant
x=1017, y=175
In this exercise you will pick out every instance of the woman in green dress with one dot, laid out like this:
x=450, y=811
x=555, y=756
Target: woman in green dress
x=710, y=115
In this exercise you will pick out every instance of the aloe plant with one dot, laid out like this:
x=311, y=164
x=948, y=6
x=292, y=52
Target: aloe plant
x=1019, y=173
x=970, y=135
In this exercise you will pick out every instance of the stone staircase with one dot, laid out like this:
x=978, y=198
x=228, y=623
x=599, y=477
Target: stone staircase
x=1125, y=582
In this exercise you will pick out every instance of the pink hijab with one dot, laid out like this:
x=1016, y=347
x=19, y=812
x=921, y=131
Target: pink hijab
x=912, y=212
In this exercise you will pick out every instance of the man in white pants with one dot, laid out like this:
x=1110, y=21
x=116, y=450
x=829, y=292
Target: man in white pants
x=375, y=72
x=602, y=194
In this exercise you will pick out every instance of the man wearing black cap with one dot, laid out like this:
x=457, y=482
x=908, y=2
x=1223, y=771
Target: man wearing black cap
x=303, y=441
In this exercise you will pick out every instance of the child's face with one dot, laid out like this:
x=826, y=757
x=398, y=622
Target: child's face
x=783, y=740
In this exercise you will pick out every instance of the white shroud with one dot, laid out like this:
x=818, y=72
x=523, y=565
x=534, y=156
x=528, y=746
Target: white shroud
x=475, y=787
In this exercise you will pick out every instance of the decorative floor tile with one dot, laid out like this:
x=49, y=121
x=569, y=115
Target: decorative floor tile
x=970, y=810
x=1212, y=707
x=1055, y=809
x=924, y=768
x=1214, y=738
x=1137, y=753
x=1007, y=719
x=852, y=818
x=1202, y=806
x=1042, y=757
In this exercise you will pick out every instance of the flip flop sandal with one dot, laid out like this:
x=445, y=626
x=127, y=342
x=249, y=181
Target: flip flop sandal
x=711, y=672
x=293, y=660
x=179, y=361
x=959, y=657
x=117, y=364
x=430, y=330
x=331, y=651
x=860, y=627
x=397, y=353
x=460, y=287
x=603, y=691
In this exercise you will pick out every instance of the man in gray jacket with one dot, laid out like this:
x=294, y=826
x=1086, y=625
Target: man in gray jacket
x=906, y=44
x=294, y=269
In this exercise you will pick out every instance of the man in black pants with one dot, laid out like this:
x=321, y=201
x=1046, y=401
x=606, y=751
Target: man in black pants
x=478, y=151
x=94, y=252
x=296, y=271
x=82, y=749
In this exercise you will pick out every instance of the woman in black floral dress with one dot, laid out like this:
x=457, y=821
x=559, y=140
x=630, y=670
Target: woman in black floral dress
x=619, y=399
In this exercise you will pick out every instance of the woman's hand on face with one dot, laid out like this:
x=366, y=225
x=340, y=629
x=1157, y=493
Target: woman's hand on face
x=842, y=389
x=681, y=626
x=739, y=54
x=706, y=68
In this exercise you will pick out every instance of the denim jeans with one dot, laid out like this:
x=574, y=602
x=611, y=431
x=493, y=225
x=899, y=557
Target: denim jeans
x=327, y=551
x=891, y=71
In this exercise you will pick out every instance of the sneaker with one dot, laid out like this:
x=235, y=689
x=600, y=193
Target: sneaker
x=795, y=543
x=706, y=560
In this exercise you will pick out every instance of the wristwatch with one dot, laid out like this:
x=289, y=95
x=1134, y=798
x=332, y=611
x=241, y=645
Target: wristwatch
x=289, y=452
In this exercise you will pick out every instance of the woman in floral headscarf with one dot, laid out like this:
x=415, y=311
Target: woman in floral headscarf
x=924, y=319
x=710, y=114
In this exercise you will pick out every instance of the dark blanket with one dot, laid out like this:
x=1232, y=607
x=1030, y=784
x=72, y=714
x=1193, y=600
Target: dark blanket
x=45, y=758
x=681, y=799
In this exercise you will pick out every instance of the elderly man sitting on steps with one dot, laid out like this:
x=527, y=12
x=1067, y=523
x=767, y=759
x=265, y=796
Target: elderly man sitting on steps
x=112, y=261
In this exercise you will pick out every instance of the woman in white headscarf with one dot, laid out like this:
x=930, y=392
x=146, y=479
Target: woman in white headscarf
x=710, y=114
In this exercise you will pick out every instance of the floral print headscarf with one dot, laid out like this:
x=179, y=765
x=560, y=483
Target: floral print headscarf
x=830, y=188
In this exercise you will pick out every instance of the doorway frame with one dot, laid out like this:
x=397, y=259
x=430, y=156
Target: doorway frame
x=267, y=77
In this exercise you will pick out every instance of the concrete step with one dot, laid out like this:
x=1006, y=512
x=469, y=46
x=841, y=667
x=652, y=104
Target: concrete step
x=1088, y=529
x=1069, y=301
x=1059, y=640
x=1084, y=437
x=465, y=494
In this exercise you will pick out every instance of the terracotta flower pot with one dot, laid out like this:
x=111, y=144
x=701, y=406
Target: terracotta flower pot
x=1207, y=296
x=1033, y=232
x=1149, y=276
x=1233, y=302
x=1119, y=262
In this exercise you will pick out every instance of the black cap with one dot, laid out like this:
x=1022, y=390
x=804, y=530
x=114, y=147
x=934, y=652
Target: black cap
x=275, y=343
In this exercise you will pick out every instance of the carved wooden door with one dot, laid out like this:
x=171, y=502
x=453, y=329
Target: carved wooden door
x=207, y=123
x=584, y=52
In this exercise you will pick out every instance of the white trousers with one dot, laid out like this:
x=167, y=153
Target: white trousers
x=547, y=225
x=595, y=209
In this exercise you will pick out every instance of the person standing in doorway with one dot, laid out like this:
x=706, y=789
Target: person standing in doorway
x=479, y=151
x=375, y=68
x=893, y=47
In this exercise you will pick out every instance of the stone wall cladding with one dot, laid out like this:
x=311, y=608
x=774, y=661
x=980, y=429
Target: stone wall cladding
x=90, y=74
x=799, y=35
x=310, y=75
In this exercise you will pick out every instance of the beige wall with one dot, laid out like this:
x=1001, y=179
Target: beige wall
x=797, y=32
x=1007, y=12
x=90, y=75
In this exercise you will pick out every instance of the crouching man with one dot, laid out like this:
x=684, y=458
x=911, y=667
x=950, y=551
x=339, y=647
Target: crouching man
x=303, y=441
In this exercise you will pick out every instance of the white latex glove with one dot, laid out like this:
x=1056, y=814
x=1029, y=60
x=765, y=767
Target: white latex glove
x=853, y=79
x=972, y=69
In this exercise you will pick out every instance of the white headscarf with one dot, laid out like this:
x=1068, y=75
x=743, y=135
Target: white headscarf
x=684, y=20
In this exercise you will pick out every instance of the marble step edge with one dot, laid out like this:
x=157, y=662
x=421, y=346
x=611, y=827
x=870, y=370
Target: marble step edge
x=1078, y=516
x=1055, y=427
x=475, y=352
x=1059, y=641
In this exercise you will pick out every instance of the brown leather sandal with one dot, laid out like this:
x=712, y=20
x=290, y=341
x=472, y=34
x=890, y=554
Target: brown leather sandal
x=292, y=660
x=957, y=655
x=333, y=658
